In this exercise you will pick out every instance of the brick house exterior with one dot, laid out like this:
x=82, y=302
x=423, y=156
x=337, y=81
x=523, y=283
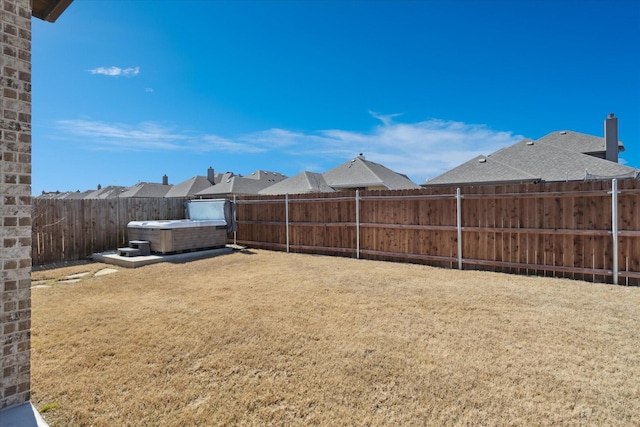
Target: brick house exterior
x=15, y=193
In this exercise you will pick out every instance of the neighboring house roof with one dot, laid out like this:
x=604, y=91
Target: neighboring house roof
x=189, y=187
x=49, y=195
x=551, y=158
x=482, y=170
x=71, y=195
x=109, y=192
x=305, y=182
x=237, y=184
x=578, y=142
x=146, y=189
x=221, y=177
x=361, y=173
x=61, y=194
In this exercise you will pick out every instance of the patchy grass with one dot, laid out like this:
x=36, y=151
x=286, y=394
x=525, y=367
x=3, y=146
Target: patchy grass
x=49, y=407
x=268, y=338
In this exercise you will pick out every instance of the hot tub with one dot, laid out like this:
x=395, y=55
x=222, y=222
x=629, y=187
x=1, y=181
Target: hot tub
x=207, y=228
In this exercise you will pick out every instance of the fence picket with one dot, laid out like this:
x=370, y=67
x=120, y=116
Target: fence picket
x=70, y=230
x=560, y=229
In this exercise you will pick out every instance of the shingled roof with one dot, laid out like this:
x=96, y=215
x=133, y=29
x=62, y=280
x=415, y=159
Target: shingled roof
x=578, y=142
x=558, y=156
x=109, y=192
x=305, y=182
x=361, y=173
x=189, y=187
x=237, y=184
x=146, y=189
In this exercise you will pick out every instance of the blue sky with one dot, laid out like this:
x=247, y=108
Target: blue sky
x=129, y=90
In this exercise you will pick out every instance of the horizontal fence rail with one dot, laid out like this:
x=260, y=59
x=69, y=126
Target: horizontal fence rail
x=71, y=230
x=580, y=230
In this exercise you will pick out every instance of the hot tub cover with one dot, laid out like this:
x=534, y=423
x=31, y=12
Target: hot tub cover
x=201, y=213
x=213, y=209
x=170, y=224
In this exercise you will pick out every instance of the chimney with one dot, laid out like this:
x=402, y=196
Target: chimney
x=211, y=175
x=611, y=138
x=165, y=180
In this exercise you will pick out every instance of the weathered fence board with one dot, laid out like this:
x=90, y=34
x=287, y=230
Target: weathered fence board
x=559, y=229
x=70, y=230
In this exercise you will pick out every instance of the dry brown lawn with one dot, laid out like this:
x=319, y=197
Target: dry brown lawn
x=266, y=338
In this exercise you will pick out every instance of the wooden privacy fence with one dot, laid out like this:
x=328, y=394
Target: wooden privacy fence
x=70, y=230
x=579, y=230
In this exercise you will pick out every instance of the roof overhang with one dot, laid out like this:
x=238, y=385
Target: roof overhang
x=49, y=10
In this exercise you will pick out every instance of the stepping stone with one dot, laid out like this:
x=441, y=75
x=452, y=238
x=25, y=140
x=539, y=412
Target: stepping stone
x=40, y=287
x=77, y=275
x=105, y=271
x=70, y=281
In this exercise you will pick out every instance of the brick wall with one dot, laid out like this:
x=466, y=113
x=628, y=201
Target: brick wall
x=15, y=201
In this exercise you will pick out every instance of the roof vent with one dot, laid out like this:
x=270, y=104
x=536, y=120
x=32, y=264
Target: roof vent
x=482, y=160
x=529, y=142
x=564, y=132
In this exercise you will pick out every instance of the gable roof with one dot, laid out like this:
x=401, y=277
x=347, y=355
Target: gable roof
x=146, y=189
x=189, y=187
x=305, y=182
x=237, y=184
x=551, y=158
x=361, y=173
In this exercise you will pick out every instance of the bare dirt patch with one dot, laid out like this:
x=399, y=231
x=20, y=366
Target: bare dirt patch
x=268, y=338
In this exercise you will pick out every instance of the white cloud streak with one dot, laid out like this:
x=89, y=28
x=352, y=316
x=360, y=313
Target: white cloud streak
x=118, y=136
x=420, y=150
x=116, y=71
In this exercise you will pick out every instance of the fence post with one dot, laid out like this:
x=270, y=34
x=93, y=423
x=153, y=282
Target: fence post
x=235, y=219
x=357, y=224
x=459, y=225
x=614, y=227
x=286, y=217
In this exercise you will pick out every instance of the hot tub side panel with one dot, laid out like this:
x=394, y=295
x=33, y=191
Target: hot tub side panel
x=181, y=239
x=150, y=234
x=187, y=239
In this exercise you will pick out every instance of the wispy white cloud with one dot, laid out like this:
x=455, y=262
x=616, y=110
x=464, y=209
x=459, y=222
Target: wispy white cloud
x=149, y=90
x=420, y=150
x=386, y=119
x=217, y=143
x=116, y=71
x=104, y=136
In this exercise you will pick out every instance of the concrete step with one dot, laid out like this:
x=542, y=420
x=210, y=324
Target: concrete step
x=129, y=252
x=143, y=245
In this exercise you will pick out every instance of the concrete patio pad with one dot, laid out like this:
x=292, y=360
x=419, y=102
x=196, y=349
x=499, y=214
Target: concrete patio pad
x=112, y=257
